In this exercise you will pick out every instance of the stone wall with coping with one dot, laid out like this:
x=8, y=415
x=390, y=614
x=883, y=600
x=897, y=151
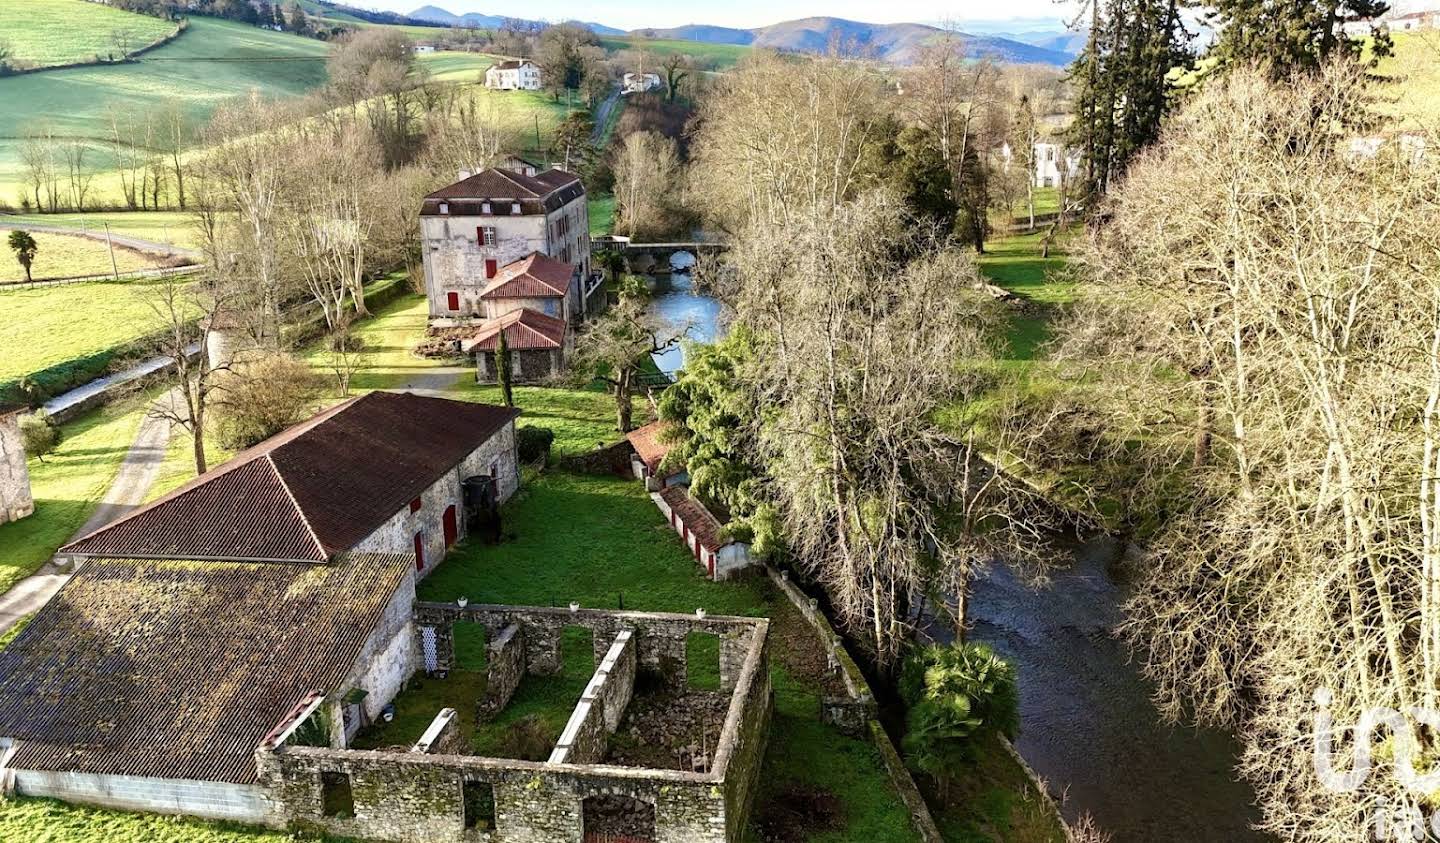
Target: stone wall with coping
x=442, y=736
x=415, y=796
x=246, y=803
x=586, y=735
x=16, y=501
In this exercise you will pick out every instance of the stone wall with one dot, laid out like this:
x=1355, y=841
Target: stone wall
x=389, y=656
x=587, y=734
x=419, y=796
x=397, y=535
x=442, y=736
x=531, y=365
x=212, y=800
x=504, y=668
x=15, y=499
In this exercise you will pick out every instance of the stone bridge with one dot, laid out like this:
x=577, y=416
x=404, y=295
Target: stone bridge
x=638, y=255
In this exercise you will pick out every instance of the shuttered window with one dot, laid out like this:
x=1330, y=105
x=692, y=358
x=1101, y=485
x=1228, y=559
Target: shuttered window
x=452, y=300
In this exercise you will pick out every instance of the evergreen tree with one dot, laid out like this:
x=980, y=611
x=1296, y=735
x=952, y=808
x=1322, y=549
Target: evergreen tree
x=502, y=369
x=1124, y=92
x=920, y=176
x=1291, y=36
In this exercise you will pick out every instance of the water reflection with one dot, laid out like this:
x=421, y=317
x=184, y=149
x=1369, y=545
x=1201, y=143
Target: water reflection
x=676, y=301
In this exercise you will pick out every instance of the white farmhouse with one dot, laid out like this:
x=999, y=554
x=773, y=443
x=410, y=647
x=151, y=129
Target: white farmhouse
x=1054, y=163
x=513, y=75
x=504, y=226
x=639, y=83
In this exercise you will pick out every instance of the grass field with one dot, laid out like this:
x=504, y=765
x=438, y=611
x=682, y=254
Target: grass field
x=46, y=32
x=176, y=228
x=213, y=61
x=46, y=326
x=68, y=256
x=602, y=215
x=47, y=821
x=1416, y=68
x=710, y=56
x=66, y=486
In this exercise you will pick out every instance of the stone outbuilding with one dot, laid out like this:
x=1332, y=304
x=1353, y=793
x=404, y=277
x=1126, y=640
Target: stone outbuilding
x=197, y=621
x=16, y=501
x=704, y=535
x=648, y=460
x=538, y=346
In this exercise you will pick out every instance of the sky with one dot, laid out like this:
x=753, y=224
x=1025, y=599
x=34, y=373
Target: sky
x=636, y=14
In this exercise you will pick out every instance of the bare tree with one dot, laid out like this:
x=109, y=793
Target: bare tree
x=647, y=175
x=79, y=174
x=188, y=311
x=619, y=345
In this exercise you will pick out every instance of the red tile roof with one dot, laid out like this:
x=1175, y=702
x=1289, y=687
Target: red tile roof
x=702, y=524
x=178, y=669
x=311, y=492
x=534, y=276
x=535, y=194
x=646, y=442
x=525, y=330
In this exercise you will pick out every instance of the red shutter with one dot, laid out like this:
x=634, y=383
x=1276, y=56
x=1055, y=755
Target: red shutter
x=415, y=504
x=420, y=551
x=480, y=234
x=452, y=530
x=489, y=268
x=453, y=300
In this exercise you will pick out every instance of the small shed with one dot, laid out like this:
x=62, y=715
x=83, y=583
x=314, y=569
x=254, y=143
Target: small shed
x=702, y=532
x=536, y=342
x=650, y=452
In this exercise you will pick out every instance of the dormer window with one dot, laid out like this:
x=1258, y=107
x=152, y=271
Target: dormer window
x=444, y=207
x=484, y=207
x=515, y=208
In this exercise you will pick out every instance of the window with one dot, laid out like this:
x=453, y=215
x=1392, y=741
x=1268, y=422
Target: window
x=485, y=235
x=484, y=207
x=490, y=267
x=479, y=805
x=515, y=208
x=420, y=551
x=444, y=207
x=336, y=798
x=415, y=504
x=452, y=300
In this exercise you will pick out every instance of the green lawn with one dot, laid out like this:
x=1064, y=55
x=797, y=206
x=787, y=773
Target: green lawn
x=1014, y=262
x=1415, y=68
x=42, y=325
x=709, y=56
x=68, y=256
x=213, y=61
x=46, y=32
x=47, y=821
x=602, y=215
x=66, y=487
x=176, y=228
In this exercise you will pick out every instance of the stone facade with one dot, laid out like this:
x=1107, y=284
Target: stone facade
x=504, y=668
x=526, y=366
x=456, y=261
x=397, y=535
x=420, y=796
x=15, y=499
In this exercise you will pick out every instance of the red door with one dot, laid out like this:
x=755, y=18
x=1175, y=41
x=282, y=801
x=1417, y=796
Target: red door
x=452, y=300
x=490, y=268
x=419, y=551
x=451, y=531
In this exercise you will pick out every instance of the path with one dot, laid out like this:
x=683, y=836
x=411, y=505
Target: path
x=127, y=492
x=67, y=403
x=602, y=116
x=118, y=239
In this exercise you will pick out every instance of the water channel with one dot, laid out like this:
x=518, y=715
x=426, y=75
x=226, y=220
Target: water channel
x=1087, y=723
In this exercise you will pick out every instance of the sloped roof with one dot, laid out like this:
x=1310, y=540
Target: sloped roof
x=501, y=188
x=705, y=526
x=310, y=492
x=511, y=64
x=178, y=669
x=536, y=275
x=646, y=442
x=525, y=330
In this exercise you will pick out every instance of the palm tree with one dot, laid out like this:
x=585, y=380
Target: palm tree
x=24, y=247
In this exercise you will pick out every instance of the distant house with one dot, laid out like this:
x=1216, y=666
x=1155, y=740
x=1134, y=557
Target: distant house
x=493, y=220
x=639, y=83
x=424, y=48
x=514, y=75
x=15, y=498
x=1055, y=165
x=196, y=623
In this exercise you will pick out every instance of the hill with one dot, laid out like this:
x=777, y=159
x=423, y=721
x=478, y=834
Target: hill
x=49, y=32
x=435, y=14
x=896, y=43
x=211, y=62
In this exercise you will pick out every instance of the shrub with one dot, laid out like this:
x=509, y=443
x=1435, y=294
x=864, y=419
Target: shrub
x=534, y=443
x=955, y=695
x=39, y=435
x=262, y=397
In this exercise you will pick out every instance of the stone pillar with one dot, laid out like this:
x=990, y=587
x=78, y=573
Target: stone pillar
x=504, y=669
x=542, y=648
x=665, y=654
x=734, y=645
x=15, y=499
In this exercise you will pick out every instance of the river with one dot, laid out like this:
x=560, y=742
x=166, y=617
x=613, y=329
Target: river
x=1087, y=723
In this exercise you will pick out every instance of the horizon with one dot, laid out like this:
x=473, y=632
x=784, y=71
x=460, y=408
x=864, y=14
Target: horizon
x=752, y=14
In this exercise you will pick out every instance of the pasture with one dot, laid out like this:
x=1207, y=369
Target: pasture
x=1415, y=68
x=176, y=228
x=708, y=56
x=213, y=61
x=69, y=256
x=49, y=32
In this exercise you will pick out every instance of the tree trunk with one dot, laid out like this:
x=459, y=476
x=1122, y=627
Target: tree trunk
x=622, y=402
